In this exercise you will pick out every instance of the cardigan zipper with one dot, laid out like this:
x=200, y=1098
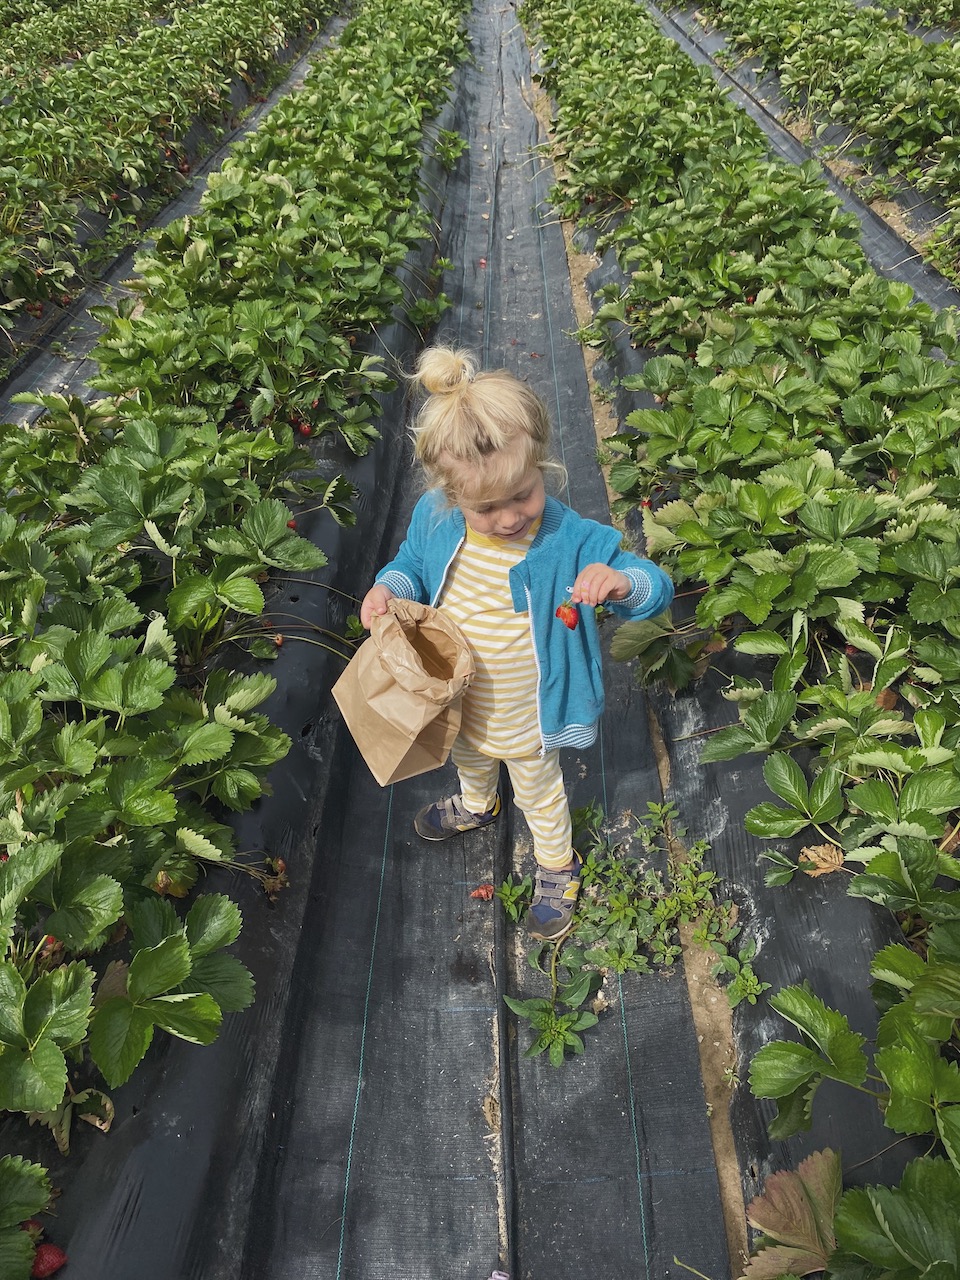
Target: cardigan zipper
x=446, y=569
x=536, y=659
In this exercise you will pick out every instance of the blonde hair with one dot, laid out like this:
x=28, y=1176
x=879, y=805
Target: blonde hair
x=477, y=432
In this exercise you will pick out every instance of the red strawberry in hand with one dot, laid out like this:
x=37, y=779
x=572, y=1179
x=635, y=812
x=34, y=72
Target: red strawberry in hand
x=48, y=1259
x=567, y=613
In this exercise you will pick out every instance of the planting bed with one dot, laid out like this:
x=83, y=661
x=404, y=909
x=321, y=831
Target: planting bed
x=375, y=1113
x=876, y=94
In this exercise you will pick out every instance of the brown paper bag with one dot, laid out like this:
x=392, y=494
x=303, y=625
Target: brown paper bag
x=400, y=693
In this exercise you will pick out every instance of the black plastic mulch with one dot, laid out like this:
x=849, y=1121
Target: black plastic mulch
x=373, y=1115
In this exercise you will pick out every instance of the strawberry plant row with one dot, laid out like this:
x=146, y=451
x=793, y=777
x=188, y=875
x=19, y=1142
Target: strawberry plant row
x=860, y=66
x=138, y=535
x=13, y=11
x=932, y=13
x=43, y=39
x=251, y=309
x=805, y=445
x=90, y=134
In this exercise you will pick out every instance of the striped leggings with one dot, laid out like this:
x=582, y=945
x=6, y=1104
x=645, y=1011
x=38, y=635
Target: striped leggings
x=537, y=788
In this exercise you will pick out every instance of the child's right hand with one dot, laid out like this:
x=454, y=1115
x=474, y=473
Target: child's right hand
x=375, y=603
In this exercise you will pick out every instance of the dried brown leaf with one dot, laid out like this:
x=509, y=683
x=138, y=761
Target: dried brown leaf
x=820, y=859
x=484, y=891
x=886, y=699
x=94, y=1107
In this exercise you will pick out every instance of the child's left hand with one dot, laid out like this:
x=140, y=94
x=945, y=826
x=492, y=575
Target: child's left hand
x=597, y=583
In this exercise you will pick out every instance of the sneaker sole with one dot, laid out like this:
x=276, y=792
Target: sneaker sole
x=448, y=835
x=551, y=937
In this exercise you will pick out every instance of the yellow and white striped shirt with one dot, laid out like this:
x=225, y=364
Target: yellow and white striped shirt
x=500, y=705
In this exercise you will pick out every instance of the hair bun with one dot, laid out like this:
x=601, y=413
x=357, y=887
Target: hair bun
x=442, y=370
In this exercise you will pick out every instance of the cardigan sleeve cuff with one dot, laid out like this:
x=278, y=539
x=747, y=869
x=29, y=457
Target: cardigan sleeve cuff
x=399, y=584
x=642, y=589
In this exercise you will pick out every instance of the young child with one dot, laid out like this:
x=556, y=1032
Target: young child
x=510, y=566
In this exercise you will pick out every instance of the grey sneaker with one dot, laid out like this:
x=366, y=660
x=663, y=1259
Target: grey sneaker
x=555, y=896
x=446, y=818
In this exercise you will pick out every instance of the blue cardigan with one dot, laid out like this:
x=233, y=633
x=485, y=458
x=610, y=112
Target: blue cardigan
x=570, y=679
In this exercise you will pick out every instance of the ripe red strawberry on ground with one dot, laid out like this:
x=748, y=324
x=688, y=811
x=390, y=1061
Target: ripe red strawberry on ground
x=48, y=1259
x=567, y=613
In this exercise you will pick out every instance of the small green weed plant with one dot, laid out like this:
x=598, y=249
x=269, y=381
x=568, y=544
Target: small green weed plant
x=628, y=921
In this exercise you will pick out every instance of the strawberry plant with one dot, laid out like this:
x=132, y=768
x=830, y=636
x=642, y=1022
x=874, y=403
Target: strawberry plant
x=809, y=1224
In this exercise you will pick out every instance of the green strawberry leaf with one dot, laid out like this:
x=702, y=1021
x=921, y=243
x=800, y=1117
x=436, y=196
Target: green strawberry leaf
x=17, y=1252
x=33, y=1078
x=92, y=904
x=58, y=1004
x=761, y=643
x=154, y=970
x=781, y=1067
x=187, y=597
x=18, y=877
x=13, y=992
x=195, y=1018
x=773, y=823
x=120, y=1035
x=24, y=1191
x=241, y=594
x=842, y=1049
x=213, y=922
x=223, y=977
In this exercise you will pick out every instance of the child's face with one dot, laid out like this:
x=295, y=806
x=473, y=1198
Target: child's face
x=510, y=516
